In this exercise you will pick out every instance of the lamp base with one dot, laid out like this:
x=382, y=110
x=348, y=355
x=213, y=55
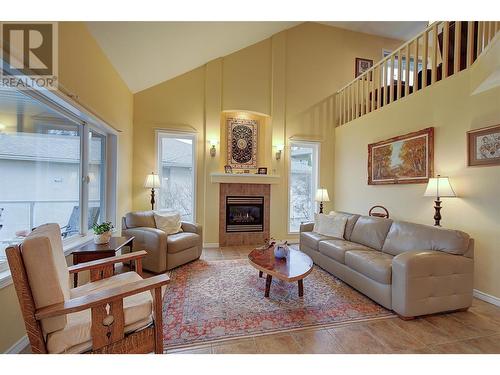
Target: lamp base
x=152, y=199
x=320, y=207
x=437, y=214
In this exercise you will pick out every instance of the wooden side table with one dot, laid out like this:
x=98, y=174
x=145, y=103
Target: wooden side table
x=90, y=251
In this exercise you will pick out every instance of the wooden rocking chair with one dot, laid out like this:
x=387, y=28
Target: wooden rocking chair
x=111, y=314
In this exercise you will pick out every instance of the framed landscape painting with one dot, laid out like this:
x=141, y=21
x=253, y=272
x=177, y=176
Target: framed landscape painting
x=484, y=146
x=406, y=159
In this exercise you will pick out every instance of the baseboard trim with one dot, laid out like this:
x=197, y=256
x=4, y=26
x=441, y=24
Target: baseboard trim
x=19, y=346
x=210, y=245
x=486, y=297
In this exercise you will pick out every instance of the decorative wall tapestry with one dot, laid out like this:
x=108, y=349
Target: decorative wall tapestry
x=484, y=146
x=404, y=159
x=242, y=142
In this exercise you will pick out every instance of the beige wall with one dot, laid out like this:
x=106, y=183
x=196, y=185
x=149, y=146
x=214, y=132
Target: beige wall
x=289, y=79
x=84, y=71
x=450, y=108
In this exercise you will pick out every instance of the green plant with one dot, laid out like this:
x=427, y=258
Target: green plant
x=102, y=228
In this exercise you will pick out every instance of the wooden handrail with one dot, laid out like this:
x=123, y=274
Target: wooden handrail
x=444, y=48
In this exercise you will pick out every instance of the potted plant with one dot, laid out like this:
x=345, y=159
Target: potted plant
x=102, y=232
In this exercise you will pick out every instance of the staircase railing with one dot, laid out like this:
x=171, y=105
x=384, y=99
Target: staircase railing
x=441, y=50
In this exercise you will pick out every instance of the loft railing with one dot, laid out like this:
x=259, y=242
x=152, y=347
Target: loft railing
x=441, y=50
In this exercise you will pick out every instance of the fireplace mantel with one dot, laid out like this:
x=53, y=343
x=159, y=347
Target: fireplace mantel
x=244, y=178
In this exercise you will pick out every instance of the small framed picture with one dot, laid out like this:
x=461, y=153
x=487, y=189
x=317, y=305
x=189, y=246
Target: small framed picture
x=228, y=169
x=362, y=65
x=262, y=170
x=484, y=146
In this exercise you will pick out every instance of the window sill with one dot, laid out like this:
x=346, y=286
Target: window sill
x=68, y=246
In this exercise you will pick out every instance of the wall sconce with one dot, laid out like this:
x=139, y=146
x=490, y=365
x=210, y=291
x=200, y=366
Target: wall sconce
x=213, y=149
x=279, y=150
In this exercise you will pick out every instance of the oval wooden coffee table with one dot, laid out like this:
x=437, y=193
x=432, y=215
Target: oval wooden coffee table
x=294, y=268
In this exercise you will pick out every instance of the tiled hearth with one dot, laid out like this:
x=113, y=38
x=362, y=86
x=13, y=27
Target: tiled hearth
x=243, y=190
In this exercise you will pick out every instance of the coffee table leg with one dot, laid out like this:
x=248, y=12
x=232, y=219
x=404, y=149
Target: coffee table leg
x=260, y=273
x=269, y=278
x=301, y=288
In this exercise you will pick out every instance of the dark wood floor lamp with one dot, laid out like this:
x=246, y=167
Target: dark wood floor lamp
x=152, y=182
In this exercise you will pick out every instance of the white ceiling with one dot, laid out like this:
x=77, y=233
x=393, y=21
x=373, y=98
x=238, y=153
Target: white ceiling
x=148, y=53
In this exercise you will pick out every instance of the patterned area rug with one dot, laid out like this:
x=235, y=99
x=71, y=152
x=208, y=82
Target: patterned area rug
x=221, y=299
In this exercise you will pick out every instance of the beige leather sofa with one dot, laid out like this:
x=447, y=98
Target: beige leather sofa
x=410, y=268
x=164, y=252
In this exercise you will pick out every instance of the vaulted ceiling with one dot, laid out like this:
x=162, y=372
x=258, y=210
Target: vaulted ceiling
x=148, y=53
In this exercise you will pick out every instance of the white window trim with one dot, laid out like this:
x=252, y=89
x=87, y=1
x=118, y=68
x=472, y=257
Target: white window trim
x=180, y=134
x=291, y=143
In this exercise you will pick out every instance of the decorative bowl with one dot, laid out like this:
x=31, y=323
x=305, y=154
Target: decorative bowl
x=281, y=251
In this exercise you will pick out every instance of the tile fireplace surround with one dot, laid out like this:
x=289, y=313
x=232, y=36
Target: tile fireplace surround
x=250, y=190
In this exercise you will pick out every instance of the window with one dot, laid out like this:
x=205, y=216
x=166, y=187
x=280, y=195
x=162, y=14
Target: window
x=386, y=53
x=303, y=181
x=44, y=153
x=97, y=178
x=176, y=169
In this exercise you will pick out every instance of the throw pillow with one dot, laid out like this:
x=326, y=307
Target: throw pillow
x=169, y=222
x=330, y=225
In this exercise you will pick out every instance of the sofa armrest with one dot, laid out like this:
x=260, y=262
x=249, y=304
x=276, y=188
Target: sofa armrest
x=306, y=227
x=427, y=282
x=154, y=241
x=192, y=228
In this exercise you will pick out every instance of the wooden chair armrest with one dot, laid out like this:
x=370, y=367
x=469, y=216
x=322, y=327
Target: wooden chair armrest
x=101, y=297
x=107, y=261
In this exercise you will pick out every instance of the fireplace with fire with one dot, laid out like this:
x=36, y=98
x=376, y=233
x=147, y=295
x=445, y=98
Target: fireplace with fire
x=244, y=214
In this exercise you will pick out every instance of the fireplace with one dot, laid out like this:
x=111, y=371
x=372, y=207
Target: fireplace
x=244, y=214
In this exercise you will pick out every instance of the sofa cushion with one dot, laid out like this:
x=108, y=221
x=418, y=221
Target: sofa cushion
x=311, y=239
x=137, y=310
x=351, y=221
x=169, y=222
x=336, y=249
x=404, y=236
x=373, y=264
x=182, y=241
x=47, y=271
x=330, y=225
x=140, y=219
x=371, y=231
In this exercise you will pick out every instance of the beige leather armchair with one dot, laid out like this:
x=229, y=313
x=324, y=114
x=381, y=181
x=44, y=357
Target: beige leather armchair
x=164, y=252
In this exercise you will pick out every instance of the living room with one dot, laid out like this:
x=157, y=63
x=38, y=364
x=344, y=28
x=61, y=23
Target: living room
x=296, y=187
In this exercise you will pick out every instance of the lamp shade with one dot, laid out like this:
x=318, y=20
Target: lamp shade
x=152, y=181
x=322, y=196
x=439, y=187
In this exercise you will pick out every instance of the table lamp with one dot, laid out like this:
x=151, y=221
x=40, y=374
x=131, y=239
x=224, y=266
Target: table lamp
x=439, y=187
x=152, y=182
x=321, y=196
